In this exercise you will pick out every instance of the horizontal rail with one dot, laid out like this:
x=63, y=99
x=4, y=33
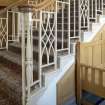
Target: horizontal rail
x=93, y=79
x=92, y=67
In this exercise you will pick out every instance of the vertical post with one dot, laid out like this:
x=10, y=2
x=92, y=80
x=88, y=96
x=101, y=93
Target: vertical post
x=79, y=8
x=13, y=25
x=62, y=24
x=102, y=4
x=74, y=19
x=7, y=30
x=18, y=30
x=29, y=55
x=69, y=27
x=77, y=75
x=55, y=20
x=23, y=61
x=88, y=17
x=40, y=55
x=96, y=10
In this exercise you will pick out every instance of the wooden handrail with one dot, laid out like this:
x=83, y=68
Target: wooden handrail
x=11, y=6
x=36, y=7
x=43, y=5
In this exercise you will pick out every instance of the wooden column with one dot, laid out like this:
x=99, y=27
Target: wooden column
x=77, y=75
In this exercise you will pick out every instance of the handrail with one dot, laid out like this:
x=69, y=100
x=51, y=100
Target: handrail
x=43, y=5
x=36, y=7
x=11, y=5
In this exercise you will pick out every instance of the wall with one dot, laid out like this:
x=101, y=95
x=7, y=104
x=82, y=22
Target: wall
x=66, y=87
x=93, y=53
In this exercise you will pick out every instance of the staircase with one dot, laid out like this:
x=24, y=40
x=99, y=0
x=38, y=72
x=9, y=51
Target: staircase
x=11, y=65
x=11, y=60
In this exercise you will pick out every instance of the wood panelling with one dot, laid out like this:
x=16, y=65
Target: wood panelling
x=65, y=87
x=93, y=53
x=91, y=67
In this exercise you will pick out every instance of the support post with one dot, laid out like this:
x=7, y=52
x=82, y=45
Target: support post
x=77, y=75
x=27, y=56
x=23, y=61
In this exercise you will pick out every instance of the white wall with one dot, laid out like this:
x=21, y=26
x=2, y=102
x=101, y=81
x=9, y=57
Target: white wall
x=49, y=95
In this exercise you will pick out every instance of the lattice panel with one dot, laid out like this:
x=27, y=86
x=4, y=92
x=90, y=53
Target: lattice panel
x=47, y=40
x=84, y=13
x=63, y=27
x=3, y=33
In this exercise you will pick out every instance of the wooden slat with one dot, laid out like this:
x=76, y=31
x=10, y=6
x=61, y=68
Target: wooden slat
x=78, y=75
x=86, y=74
x=93, y=76
x=101, y=78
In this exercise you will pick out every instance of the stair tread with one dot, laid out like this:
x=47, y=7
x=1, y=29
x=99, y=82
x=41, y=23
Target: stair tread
x=10, y=87
x=4, y=100
x=92, y=98
x=11, y=56
x=14, y=57
x=18, y=45
x=10, y=78
x=35, y=48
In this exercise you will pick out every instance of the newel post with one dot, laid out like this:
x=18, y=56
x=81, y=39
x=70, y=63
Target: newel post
x=77, y=75
x=27, y=55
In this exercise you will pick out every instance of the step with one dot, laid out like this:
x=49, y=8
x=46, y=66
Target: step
x=95, y=26
x=16, y=48
x=91, y=98
x=87, y=36
x=5, y=100
x=10, y=59
x=102, y=103
x=11, y=85
x=13, y=61
x=102, y=18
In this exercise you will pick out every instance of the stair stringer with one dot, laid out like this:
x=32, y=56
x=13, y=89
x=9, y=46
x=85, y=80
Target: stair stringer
x=48, y=95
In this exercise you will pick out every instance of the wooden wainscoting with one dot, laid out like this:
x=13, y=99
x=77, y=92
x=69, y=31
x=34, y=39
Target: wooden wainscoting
x=66, y=87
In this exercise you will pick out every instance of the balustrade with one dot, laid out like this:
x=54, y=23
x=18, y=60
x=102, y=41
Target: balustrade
x=56, y=25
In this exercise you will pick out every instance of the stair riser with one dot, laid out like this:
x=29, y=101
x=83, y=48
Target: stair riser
x=35, y=42
x=59, y=20
x=35, y=54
